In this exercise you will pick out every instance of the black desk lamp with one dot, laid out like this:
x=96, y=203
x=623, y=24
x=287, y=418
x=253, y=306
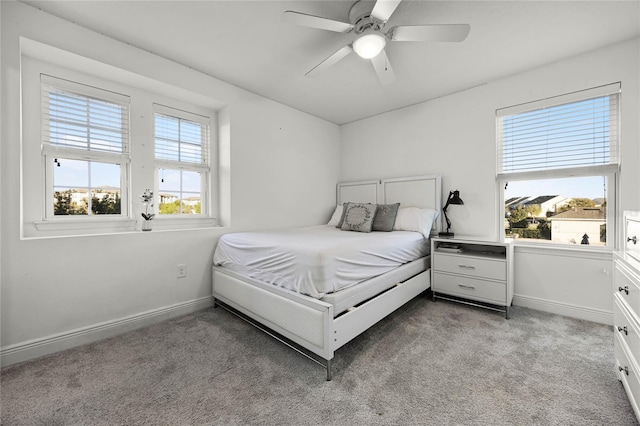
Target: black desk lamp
x=454, y=198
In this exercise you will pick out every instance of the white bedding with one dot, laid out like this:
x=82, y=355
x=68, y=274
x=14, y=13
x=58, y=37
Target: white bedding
x=317, y=260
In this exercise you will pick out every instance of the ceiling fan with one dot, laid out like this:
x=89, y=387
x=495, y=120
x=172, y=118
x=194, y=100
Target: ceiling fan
x=367, y=20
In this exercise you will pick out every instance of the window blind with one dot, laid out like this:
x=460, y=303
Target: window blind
x=181, y=137
x=79, y=117
x=582, y=133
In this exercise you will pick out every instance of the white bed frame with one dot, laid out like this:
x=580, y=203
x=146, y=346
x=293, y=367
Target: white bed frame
x=310, y=322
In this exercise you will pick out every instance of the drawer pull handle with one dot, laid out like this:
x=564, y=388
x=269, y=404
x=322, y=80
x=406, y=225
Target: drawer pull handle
x=467, y=286
x=621, y=329
x=625, y=289
x=625, y=369
x=633, y=239
x=467, y=266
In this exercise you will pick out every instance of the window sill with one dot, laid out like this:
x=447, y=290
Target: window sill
x=63, y=227
x=171, y=223
x=590, y=252
x=89, y=223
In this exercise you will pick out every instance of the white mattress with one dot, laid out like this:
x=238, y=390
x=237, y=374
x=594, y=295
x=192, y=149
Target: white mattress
x=317, y=260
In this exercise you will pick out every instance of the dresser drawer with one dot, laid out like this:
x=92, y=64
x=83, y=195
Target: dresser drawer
x=470, y=288
x=627, y=373
x=625, y=327
x=624, y=285
x=491, y=269
x=632, y=237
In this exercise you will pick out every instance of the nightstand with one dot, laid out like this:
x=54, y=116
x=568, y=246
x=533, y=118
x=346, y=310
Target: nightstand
x=473, y=271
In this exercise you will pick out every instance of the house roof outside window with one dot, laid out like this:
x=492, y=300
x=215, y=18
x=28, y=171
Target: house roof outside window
x=581, y=213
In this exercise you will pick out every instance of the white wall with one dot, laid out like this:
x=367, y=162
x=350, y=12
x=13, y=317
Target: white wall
x=455, y=136
x=279, y=168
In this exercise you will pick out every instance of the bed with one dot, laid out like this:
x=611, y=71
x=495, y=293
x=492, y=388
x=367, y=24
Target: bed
x=318, y=295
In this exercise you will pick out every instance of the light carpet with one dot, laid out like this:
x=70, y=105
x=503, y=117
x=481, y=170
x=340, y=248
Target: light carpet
x=429, y=363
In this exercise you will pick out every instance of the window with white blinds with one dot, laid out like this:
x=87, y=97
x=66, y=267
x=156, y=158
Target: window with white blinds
x=82, y=120
x=181, y=138
x=85, y=145
x=557, y=168
x=574, y=131
x=182, y=159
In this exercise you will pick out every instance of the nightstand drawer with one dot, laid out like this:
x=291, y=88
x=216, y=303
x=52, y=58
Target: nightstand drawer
x=624, y=286
x=487, y=291
x=493, y=269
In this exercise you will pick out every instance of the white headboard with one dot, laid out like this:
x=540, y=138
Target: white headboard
x=358, y=192
x=414, y=191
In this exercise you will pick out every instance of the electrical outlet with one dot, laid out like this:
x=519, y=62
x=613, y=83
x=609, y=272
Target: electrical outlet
x=181, y=270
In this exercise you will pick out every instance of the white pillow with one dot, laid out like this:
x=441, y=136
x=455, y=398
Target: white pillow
x=415, y=219
x=335, y=218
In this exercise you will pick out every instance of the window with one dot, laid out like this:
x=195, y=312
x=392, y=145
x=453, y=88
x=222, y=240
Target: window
x=182, y=161
x=88, y=149
x=85, y=145
x=558, y=161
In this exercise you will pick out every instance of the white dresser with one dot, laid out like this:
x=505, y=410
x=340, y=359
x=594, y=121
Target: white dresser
x=473, y=271
x=626, y=309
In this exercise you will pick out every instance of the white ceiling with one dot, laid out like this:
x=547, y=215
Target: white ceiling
x=245, y=43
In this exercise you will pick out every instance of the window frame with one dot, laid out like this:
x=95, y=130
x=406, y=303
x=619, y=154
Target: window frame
x=610, y=171
x=50, y=152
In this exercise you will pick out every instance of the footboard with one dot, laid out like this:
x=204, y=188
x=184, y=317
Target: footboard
x=307, y=321
x=302, y=319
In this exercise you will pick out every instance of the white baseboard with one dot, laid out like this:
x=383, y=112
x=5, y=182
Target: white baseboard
x=565, y=309
x=38, y=347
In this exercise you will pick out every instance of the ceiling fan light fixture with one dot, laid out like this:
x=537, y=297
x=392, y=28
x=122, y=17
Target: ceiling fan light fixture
x=369, y=45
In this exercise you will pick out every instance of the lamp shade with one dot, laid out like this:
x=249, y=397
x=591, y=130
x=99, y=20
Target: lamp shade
x=454, y=198
x=369, y=45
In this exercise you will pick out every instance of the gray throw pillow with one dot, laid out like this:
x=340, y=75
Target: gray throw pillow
x=359, y=217
x=385, y=217
x=344, y=211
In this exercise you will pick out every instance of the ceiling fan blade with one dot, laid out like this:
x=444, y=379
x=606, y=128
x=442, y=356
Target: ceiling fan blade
x=383, y=9
x=454, y=32
x=305, y=20
x=330, y=61
x=383, y=68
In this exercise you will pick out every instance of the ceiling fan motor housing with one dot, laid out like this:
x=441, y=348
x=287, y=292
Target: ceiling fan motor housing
x=361, y=19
